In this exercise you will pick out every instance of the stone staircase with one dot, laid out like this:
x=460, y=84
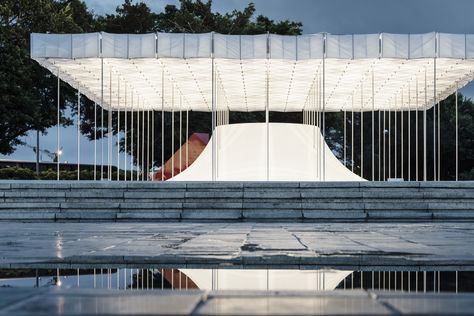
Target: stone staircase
x=235, y=201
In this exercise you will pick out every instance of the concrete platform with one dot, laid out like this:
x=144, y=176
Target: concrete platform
x=343, y=246
x=115, y=302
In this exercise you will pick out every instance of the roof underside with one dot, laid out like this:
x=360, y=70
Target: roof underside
x=174, y=71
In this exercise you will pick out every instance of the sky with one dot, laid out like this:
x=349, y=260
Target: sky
x=333, y=16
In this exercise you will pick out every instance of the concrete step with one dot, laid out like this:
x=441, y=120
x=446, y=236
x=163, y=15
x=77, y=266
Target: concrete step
x=237, y=201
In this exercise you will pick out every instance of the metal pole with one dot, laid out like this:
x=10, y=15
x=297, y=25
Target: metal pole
x=172, y=131
x=180, y=132
x=125, y=138
x=57, y=129
x=384, y=145
x=37, y=153
x=373, y=129
x=396, y=139
x=457, y=146
x=139, y=165
x=361, y=130
x=147, y=144
x=425, y=176
x=345, y=121
x=95, y=141
x=379, y=148
x=434, y=118
x=143, y=142
x=439, y=141
x=324, y=110
x=389, y=144
x=162, y=125
x=152, y=141
x=267, y=122
x=402, y=151
x=187, y=137
x=102, y=118
x=213, y=111
x=78, y=134
x=118, y=130
x=352, y=135
x=409, y=134
x=132, y=148
x=110, y=133
x=416, y=132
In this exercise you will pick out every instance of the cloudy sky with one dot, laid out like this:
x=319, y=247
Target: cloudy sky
x=334, y=16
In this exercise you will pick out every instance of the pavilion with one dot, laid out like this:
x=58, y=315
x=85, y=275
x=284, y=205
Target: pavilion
x=383, y=74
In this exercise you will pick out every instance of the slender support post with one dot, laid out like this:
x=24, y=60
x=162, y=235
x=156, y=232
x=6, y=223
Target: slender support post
x=457, y=147
x=345, y=122
x=267, y=124
x=425, y=176
x=402, y=134
x=409, y=134
x=152, y=142
x=101, y=118
x=373, y=128
x=132, y=148
x=139, y=165
x=324, y=109
x=172, y=131
x=58, y=148
x=213, y=111
x=389, y=144
x=361, y=131
x=95, y=141
x=187, y=136
x=352, y=135
x=439, y=141
x=180, y=132
x=416, y=132
x=379, y=148
x=434, y=118
x=78, y=135
x=384, y=146
x=147, y=145
x=125, y=152
x=396, y=138
x=144, y=167
x=118, y=130
x=162, y=125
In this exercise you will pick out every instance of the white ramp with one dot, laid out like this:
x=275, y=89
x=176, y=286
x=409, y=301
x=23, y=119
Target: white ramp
x=294, y=155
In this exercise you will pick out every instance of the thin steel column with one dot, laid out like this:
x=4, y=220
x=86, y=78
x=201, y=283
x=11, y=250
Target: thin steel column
x=95, y=141
x=361, y=130
x=425, y=176
x=416, y=132
x=132, y=148
x=147, y=145
x=345, y=122
x=172, y=131
x=102, y=118
x=267, y=125
x=162, y=124
x=439, y=140
x=402, y=151
x=144, y=168
x=180, y=133
x=373, y=128
x=324, y=109
x=396, y=138
x=352, y=135
x=152, y=141
x=379, y=148
x=187, y=136
x=78, y=134
x=58, y=156
x=139, y=165
x=409, y=133
x=125, y=158
x=434, y=113
x=384, y=145
x=118, y=130
x=457, y=147
x=109, y=131
x=389, y=144
x=213, y=109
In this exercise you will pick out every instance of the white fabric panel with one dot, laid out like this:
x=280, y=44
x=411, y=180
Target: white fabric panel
x=310, y=46
x=469, y=45
x=283, y=47
x=394, y=45
x=452, y=45
x=227, y=46
x=339, y=46
x=51, y=45
x=171, y=45
x=114, y=45
x=197, y=45
x=241, y=155
x=366, y=46
x=253, y=46
x=422, y=45
x=141, y=45
x=85, y=45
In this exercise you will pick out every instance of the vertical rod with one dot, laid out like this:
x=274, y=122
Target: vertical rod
x=384, y=145
x=139, y=162
x=396, y=138
x=379, y=147
x=352, y=135
x=153, y=142
x=457, y=146
x=267, y=124
x=373, y=128
x=132, y=148
x=125, y=158
x=57, y=129
x=102, y=118
x=409, y=134
x=118, y=130
x=148, y=148
x=389, y=144
x=434, y=119
x=95, y=141
x=424, y=131
x=144, y=168
x=109, y=131
x=439, y=140
x=213, y=113
x=187, y=136
x=416, y=132
x=324, y=110
x=78, y=135
x=361, y=131
x=162, y=124
x=345, y=137
x=172, y=131
x=180, y=133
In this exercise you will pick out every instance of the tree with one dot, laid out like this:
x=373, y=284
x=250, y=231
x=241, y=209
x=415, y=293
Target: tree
x=28, y=91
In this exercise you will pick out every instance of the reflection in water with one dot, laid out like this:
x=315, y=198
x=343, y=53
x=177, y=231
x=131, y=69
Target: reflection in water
x=233, y=279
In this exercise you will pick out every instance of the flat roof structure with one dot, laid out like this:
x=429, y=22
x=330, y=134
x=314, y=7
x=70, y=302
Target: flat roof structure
x=360, y=72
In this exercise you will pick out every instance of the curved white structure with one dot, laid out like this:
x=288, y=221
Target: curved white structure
x=295, y=153
x=273, y=280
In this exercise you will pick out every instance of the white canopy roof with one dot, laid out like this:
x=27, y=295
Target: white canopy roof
x=174, y=70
